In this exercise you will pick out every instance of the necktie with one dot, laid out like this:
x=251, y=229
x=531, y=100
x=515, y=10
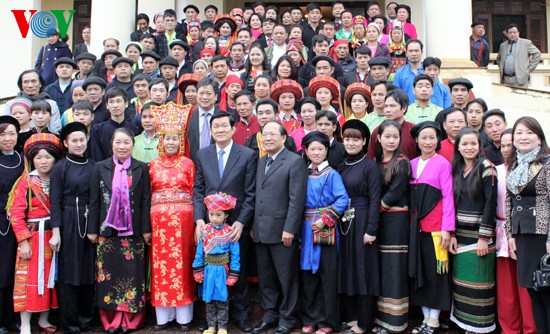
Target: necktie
x=268, y=163
x=205, y=133
x=220, y=162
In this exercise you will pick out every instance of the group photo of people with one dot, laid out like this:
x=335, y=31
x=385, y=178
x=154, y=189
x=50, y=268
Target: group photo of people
x=316, y=166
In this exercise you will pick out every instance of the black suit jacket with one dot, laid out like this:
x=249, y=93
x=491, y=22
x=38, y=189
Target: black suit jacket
x=280, y=197
x=101, y=191
x=193, y=132
x=79, y=48
x=261, y=40
x=238, y=180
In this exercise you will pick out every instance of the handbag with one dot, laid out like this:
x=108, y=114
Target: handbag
x=541, y=275
x=327, y=235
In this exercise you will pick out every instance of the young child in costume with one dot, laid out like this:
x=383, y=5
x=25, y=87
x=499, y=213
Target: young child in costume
x=217, y=262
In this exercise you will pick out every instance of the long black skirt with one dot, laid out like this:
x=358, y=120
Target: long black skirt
x=530, y=249
x=436, y=292
x=393, y=249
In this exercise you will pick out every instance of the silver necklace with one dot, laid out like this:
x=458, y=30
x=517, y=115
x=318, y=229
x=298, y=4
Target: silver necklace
x=354, y=163
x=76, y=162
x=18, y=164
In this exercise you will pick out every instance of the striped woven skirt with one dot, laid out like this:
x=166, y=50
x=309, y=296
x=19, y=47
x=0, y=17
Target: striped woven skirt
x=393, y=248
x=473, y=283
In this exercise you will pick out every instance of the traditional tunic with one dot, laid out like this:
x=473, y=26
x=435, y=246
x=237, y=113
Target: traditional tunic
x=69, y=198
x=11, y=167
x=172, y=244
x=218, y=258
x=393, y=247
x=30, y=220
x=432, y=211
x=474, y=290
x=326, y=199
x=358, y=270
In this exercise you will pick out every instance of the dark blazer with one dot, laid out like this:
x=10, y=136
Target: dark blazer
x=101, y=192
x=79, y=48
x=280, y=197
x=186, y=68
x=193, y=132
x=238, y=180
x=252, y=143
x=262, y=40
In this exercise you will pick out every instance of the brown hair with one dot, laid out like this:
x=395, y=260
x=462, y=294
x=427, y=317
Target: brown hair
x=353, y=133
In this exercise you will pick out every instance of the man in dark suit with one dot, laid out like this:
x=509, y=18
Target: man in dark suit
x=199, y=125
x=230, y=168
x=281, y=186
x=82, y=47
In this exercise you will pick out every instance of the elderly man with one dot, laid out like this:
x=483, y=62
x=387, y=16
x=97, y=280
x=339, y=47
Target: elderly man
x=281, y=186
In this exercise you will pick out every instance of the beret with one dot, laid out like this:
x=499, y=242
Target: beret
x=93, y=80
x=424, y=125
x=86, y=55
x=65, y=60
x=110, y=52
x=461, y=81
x=169, y=61
x=120, y=60
x=384, y=61
x=151, y=54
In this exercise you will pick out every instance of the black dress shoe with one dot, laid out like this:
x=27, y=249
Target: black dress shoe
x=282, y=330
x=185, y=327
x=202, y=326
x=113, y=331
x=261, y=327
x=4, y=330
x=161, y=327
x=244, y=325
x=125, y=330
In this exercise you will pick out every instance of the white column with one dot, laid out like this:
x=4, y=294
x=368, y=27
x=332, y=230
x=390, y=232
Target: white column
x=447, y=35
x=114, y=19
x=152, y=7
x=17, y=52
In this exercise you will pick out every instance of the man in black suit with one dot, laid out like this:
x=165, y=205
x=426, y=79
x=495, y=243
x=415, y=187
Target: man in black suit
x=83, y=47
x=230, y=168
x=281, y=186
x=199, y=125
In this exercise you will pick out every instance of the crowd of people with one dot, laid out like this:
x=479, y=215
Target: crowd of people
x=324, y=159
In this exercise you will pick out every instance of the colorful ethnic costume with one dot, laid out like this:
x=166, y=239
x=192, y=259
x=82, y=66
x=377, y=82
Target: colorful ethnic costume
x=172, y=245
x=217, y=263
x=326, y=200
x=474, y=276
x=29, y=212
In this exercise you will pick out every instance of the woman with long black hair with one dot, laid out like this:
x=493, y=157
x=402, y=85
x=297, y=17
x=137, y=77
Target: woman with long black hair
x=393, y=233
x=475, y=193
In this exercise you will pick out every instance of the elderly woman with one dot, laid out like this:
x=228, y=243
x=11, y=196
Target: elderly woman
x=11, y=166
x=377, y=49
x=404, y=21
x=29, y=212
x=172, y=247
x=120, y=202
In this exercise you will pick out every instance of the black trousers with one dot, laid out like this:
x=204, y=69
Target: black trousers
x=360, y=308
x=540, y=302
x=76, y=307
x=278, y=276
x=319, y=292
x=240, y=303
x=217, y=314
x=7, y=317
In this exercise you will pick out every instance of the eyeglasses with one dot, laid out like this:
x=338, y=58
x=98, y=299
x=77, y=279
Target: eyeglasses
x=270, y=135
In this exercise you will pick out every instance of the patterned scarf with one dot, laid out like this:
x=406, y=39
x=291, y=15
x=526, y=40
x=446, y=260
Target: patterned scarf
x=119, y=216
x=519, y=176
